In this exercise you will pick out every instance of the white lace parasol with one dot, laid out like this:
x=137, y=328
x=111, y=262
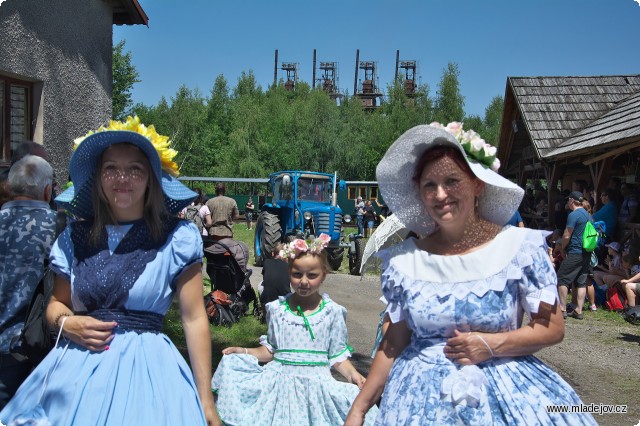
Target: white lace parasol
x=390, y=232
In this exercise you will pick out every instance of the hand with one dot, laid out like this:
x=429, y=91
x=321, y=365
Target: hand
x=235, y=350
x=623, y=282
x=89, y=332
x=467, y=348
x=211, y=414
x=357, y=379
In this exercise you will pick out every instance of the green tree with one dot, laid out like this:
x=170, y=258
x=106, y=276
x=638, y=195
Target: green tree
x=475, y=123
x=186, y=118
x=493, y=120
x=449, y=105
x=124, y=76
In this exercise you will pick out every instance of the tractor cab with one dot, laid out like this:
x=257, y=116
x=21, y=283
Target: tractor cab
x=304, y=205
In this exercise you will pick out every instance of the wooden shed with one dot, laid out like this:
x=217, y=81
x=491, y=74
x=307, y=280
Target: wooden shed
x=564, y=128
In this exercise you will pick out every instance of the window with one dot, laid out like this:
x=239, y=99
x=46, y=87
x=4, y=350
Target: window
x=373, y=192
x=15, y=115
x=362, y=192
x=352, y=193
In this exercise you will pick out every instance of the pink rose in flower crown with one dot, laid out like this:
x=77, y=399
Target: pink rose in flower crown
x=300, y=245
x=324, y=238
x=317, y=245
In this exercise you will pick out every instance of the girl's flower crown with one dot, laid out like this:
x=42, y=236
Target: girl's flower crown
x=161, y=143
x=297, y=246
x=475, y=147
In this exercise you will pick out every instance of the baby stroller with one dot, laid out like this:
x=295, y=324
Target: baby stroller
x=228, y=276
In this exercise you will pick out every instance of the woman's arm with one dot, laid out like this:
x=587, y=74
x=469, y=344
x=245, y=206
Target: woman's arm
x=196, y=331
x=395, y=339
x=546, y=328
x=86, y=331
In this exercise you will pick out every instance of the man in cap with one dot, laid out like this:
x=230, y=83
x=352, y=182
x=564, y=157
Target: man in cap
x=575, y=266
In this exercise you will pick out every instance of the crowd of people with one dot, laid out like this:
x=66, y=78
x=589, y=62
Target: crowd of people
x=454, y=346
x=591, y=278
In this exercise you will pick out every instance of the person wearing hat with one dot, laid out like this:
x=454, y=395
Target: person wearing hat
x=359, y=204
x=118, y=267
x=455, y=350
x=575, y=266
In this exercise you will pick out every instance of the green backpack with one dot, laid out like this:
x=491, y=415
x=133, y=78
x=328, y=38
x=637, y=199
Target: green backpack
x=589, y=237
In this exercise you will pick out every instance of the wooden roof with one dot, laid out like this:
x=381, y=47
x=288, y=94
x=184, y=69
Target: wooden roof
x=618, y=127
x=542, y=114
x=129, y=12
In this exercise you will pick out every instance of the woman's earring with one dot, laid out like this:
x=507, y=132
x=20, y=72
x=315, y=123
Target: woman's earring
x=477, y=202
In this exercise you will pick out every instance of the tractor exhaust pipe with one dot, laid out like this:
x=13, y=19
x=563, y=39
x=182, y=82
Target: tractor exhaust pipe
x=334, y=197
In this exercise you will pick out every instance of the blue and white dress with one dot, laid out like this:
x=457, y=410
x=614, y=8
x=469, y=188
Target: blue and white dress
x=297, y=387
x=487, y=290
x=141, y=379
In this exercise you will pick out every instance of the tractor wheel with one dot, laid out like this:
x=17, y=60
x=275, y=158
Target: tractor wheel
x=334, y=256
x=355, y=260
x=268, y=235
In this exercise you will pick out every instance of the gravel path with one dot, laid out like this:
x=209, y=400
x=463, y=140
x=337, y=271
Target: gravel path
x=601, y=360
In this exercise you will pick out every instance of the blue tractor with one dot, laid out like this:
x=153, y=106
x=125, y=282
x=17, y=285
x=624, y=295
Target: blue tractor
x=304, y=204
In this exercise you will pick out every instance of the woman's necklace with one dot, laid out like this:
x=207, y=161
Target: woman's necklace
x=476, y=233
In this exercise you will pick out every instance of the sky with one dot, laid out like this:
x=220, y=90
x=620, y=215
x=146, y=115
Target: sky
x=190, y=43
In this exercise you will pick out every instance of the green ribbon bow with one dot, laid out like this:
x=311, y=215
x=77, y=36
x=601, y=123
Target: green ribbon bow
x=306, y=322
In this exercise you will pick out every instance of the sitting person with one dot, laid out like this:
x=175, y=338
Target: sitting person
x=613, y=261
x=631, y=286
x=614, y=275
x=275, y=281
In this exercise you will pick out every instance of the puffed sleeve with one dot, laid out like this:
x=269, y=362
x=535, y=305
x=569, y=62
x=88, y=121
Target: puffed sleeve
x=539, y=280
x=269, y=340
x=392, y=287
x=61, y=254
x=186, y=247
x=339, y=349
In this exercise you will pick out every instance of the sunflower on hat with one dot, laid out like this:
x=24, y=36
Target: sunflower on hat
x=161, y=143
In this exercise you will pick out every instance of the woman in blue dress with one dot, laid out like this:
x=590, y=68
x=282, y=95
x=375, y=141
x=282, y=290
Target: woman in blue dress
x=118, y=268
x=455, y=350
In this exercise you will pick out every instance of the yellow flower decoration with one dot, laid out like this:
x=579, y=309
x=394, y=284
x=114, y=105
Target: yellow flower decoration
x=161, y=143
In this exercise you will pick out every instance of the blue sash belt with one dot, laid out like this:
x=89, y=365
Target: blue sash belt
x=137, y=321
